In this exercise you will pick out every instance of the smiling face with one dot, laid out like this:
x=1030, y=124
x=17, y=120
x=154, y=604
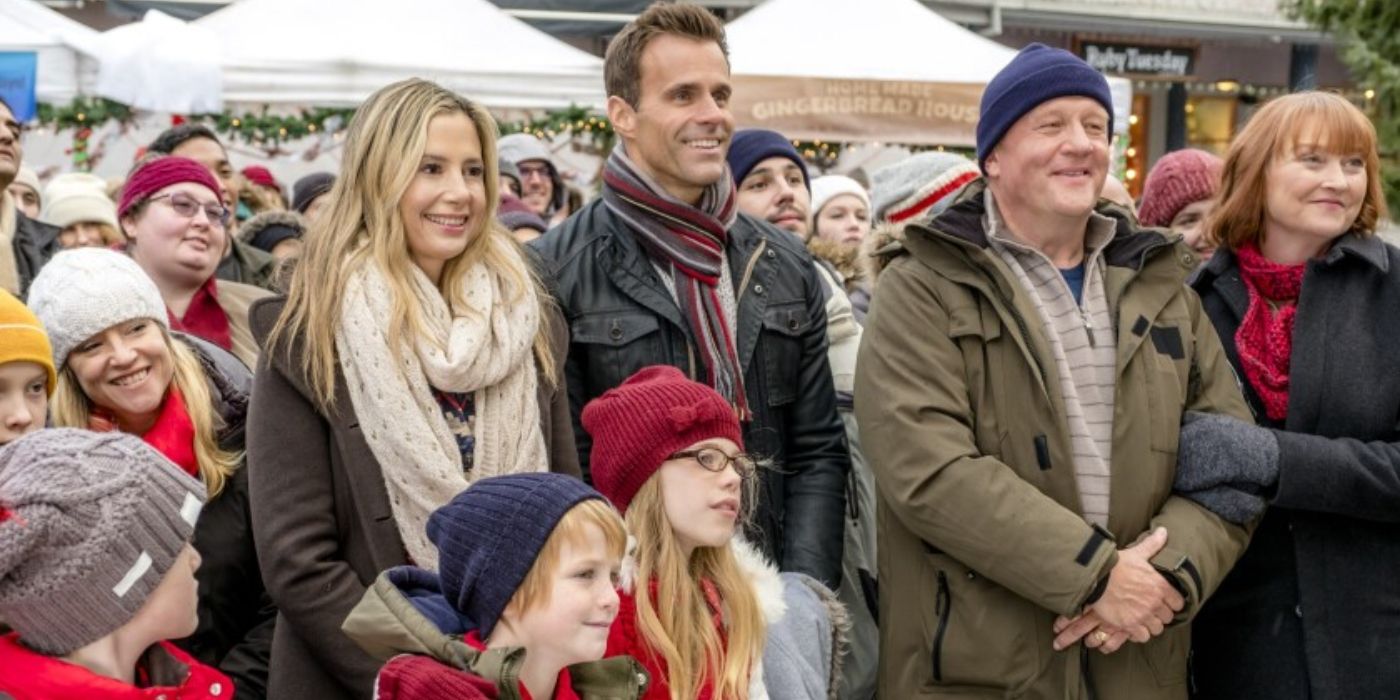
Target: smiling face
x=537, y=185
x=177, y=250
x=24, y=399
x=1190, y=223
x=571, y=625
x=1052, y=162
x=678, y=133
x=845, y=220
x=126, y=370
x=211, y=155
x=702, y=506
x=1312, y=193
x=443, y=205
x=776, y=192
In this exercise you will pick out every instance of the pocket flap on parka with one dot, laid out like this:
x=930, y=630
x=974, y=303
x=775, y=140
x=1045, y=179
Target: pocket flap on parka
x=968, y=321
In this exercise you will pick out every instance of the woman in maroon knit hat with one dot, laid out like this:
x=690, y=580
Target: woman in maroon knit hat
x=171, y=212
x=1180, y=194
x=1306, y=300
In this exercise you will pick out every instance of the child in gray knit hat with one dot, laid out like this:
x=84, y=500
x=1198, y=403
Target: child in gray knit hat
x=96, y=569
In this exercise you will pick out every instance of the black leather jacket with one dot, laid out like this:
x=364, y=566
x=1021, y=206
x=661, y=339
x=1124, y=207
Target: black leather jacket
x=34, y=243
x=236, y=616
x=623, y=318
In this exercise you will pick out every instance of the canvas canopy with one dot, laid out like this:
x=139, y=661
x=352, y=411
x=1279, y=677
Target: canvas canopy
x=65, y=48
x=337, y=52
x=878, y=70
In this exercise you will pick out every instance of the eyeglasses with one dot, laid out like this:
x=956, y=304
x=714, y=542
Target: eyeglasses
x=529, y=171
x=189, y=207
x=715, y=460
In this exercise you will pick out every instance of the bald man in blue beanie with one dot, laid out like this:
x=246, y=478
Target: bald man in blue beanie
x=1020, y=389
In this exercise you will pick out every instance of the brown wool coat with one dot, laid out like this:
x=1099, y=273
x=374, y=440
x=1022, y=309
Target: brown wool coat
x=322, y=518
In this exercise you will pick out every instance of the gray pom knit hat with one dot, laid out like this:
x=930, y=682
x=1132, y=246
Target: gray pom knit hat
x=85, y=291
x=89, y=525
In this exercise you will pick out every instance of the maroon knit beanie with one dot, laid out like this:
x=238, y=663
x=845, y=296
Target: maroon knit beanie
x=1178, y=179
x=650, y=416
x=156, y=175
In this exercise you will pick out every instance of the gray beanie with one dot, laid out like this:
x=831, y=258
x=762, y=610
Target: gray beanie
x=89, y=525
x=919, y=186
x=85, y=291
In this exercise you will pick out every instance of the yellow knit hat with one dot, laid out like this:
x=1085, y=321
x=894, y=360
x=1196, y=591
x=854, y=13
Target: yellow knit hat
x=22, y=337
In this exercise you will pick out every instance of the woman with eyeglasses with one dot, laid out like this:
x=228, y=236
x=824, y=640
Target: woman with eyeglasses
x=177, y=226
x=121, y=367
x=414, y=354
x=705, y=613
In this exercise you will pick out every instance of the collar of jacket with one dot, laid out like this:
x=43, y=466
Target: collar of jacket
x=1222, y=271
x=385, y=623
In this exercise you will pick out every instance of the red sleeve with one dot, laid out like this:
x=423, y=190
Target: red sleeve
x=410, y=677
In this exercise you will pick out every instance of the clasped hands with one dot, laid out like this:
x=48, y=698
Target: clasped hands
x=1136, y=605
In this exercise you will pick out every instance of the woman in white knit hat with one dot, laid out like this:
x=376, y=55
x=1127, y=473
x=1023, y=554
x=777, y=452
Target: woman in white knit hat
x=121, y=368
x=840, y=210
x=77, y=203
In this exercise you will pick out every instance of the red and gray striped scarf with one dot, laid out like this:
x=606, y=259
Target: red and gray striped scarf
x=691, y=240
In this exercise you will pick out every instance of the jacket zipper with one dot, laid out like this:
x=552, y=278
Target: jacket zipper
x=943, y=606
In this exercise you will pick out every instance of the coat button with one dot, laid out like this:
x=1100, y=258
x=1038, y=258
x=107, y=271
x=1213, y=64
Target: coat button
x=216, y=690
x=1298, y=610
x=758, y=289
x=771, y=254
x=1188, y=260
x=972, y=575
x=642, y=678
x=793, y=324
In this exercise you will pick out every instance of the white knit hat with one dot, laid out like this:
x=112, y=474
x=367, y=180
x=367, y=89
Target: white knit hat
x=829, y=187
x=85, y=291
x=73, y=198
x=27, y=177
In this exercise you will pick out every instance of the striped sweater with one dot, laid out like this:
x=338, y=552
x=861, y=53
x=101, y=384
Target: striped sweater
x=1083, y=342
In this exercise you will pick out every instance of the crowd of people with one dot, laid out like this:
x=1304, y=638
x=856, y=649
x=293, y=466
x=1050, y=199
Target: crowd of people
x=436, y=426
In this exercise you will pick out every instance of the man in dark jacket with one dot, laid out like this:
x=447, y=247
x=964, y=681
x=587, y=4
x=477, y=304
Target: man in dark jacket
x=664, y=270
x=243, y=263
x=31, y=243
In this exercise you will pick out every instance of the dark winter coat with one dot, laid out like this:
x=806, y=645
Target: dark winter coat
x=622, y=318
x=236, y=616
x=1312, y=610
x=34, y=243
x=246, y=264
x=322, y=516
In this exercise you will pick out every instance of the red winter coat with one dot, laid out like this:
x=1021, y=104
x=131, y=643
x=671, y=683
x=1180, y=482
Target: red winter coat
x=165, y=671
x=414, y=677
x=625, y=637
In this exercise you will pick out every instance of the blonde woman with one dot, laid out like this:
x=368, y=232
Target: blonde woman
x=701, y=609
x=413, y=355
x=121, y=368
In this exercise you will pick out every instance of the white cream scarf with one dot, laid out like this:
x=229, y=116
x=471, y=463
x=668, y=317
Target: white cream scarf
x=486, y=349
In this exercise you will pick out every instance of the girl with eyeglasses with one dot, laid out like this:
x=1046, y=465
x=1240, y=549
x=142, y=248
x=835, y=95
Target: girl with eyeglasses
x=177, y=226
x=702, y=610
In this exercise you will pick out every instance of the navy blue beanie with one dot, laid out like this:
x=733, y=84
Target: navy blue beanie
x=489, y=536
x=749, y=147
x=1037, y=74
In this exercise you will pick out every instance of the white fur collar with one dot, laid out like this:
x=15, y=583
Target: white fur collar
x=767, y=584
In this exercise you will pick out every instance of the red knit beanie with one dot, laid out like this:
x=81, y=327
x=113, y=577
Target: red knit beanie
x=646, y=419
x=156, y=175
x=1178, y=179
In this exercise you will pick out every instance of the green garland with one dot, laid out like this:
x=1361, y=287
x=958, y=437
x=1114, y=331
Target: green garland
x=594, y=131
x=82, y=112
x=263, y=128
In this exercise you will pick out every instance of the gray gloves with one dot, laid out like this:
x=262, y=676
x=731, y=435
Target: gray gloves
x=1226, y=465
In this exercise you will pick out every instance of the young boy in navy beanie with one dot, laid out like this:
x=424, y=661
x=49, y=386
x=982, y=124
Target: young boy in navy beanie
x=520, y=606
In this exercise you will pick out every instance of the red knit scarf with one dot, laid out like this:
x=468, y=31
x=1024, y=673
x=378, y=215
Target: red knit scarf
x=1265, y=336
x=205, y=318
x=172, y=434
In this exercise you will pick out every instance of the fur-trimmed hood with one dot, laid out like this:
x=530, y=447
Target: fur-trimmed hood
x=248, y=230
x=878, y=248
x=846, y=260
x=806, y=628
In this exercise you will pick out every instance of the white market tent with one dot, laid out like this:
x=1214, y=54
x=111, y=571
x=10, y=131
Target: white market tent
x=160, y=64
x=878, y=70
x=65, y=48
x=337, y=52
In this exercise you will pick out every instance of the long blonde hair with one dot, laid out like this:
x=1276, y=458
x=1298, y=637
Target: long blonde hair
x=361, y=226
x=682, y=632
x=71, y=408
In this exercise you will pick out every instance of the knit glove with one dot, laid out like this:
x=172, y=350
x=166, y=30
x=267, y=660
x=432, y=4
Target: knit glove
x=1220, y=450
x=1228, y=503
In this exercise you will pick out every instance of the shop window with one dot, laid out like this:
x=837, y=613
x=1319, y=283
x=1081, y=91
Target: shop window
x=1210, y=122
